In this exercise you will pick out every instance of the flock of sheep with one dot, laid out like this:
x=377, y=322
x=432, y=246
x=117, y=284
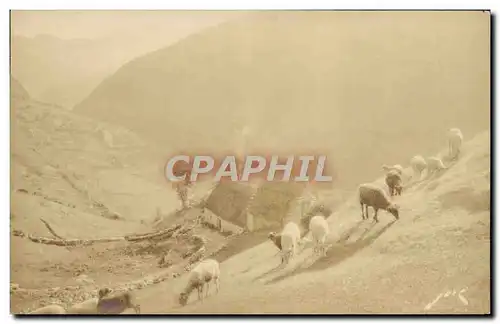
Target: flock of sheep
x=288, y=241
x=200, y=277
x=370, y=195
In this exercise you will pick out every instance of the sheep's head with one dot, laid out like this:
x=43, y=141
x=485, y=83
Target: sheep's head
x=394, y=210
x=183, y=298
x=103, y=292
x=275, y=238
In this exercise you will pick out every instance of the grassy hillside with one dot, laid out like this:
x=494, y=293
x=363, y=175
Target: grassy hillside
x=357, y=86
x=441, y=243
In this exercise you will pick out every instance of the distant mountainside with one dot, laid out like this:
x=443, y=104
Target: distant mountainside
x=365, y=87
x=65, y=71
x=17, y=89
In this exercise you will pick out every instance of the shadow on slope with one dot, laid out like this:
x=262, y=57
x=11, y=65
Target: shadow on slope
x=338, y=253
x=461, y=189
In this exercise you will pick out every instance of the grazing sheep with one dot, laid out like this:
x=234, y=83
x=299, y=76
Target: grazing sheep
x=398, y=189
x=104, y=292
x=49, y=309
x=89, y=306
x=275, y=238
x=455, y=139
x=201, y=275
x=290, y=237
x=434, y=164
x=396, y=167
x=116, y=303
x=418, y=165
x=372, y=196
x=320, y=230
x=393, y=181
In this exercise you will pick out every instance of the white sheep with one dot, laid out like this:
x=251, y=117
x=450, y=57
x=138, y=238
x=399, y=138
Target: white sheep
x=434, y=164
x=455, y=139
x=319, y=229
x=88, y=306
x=290, y=239
x=91, y=306
x=49, y=309
x=393, y=181
x=206, y=271
x=418, y=165
x=371, y=195
x=116, y=303
x=395, y=167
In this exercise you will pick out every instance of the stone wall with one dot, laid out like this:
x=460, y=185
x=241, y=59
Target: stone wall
x=268, y=203
x=229, y=201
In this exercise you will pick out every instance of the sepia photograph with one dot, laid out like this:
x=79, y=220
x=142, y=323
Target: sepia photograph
x=250, y=162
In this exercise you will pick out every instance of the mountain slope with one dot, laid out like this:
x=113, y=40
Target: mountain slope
x=64, y=71
x=17, y=90
x=330, y=82
x=441, y=243
x=87, y=180
x=59, y=71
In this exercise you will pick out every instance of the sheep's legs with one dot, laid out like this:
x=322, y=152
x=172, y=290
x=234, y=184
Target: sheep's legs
x=200, y=292
x=217, y=284
x=321, y=248
x=325, y=247
x=207, y=289
x=317, y=247
x=286, y=257
x=363, y=211
x=375, y=217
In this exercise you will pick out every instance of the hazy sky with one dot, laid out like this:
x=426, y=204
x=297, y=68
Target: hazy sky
x=97, y=24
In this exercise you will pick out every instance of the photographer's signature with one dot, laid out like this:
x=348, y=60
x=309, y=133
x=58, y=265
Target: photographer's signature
x=459, y=295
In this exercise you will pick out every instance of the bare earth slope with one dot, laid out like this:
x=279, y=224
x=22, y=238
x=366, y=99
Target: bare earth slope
x=441, y=243
x=323, y=81
x=87, y=180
